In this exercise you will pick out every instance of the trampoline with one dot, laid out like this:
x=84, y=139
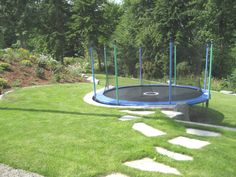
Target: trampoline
x=153, y=94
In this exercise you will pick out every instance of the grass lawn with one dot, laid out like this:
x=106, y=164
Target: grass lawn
x=51, y=131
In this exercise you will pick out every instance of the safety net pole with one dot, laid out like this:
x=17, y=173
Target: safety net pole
x=170, y=71
x=140, y=66
x=105, y=63
x=206, y=67
x=174, y=64
x=210, y=69
x=116, y=74
x=93, y=75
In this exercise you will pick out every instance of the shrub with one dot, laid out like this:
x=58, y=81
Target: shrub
x=40, y=73
x=232, y=80
x=183, y=68
x=42, y=61
x=23, y=53
x=46, y=61
x=1, y=70
x=9, y=54
x=75, y=70
x=16, y=83
x=1, y=54
x=26, y=63
x=5, y=66
x=3, y=83
x=70, y=60
x=57, y=77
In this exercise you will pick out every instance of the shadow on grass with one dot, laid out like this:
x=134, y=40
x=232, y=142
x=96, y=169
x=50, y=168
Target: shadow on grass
x=58, y=112
x=206, y=115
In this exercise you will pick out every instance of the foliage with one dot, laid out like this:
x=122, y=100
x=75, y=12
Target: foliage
x=183, y=68
x=47, y=61
x=40, y=72
x=68, y=28
x=23, y=53
x=70, y=60
x=4, y=66
x=232, y=80
x=26, y=63
x=3, y=83
x=75, y=70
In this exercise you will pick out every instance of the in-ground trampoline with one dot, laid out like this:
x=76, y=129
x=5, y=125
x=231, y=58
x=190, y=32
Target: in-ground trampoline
x=154, y=94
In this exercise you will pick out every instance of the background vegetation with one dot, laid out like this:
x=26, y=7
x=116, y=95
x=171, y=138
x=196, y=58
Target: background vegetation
x=60, y=29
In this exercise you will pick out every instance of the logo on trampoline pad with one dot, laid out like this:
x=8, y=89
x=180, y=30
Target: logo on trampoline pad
x=150, y=93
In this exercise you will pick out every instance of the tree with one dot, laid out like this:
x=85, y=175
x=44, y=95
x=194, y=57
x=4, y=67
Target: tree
x=93, y=22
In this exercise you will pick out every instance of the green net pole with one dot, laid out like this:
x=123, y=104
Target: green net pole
x=105, y=63
x=175, y=65
x=210, y=70
x=116, y=74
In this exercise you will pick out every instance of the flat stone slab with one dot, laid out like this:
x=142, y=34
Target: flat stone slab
x=147, y=164
x=189, y=142
x=198, y=132
x=173, y=155
x=207, y=125
x=6, y=171
x=147, y=130
x=142, y=113
x=117, y=175
x=171, y=114
x=226, y=92
x=128, y=117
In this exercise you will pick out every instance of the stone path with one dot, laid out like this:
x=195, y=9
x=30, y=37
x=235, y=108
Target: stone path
x=207, y=125
x=173, y=155
x=6, y=171
x=116, y=175
x=142, y=113
x=147, y=164
x=227, y=92
x=198, y=132
x=189, y=142
x=147, y=130
x=171, y=114
x=128, y=117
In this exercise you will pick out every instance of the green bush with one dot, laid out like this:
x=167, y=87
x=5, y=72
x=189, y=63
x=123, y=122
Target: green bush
x=9, y=55
x=5, y=66
x=70, y=60
x=57, y=77
x=1, y=54
x=1, y=70
x=183, y=68
x=75, y=70
x=232, y=80
x=26, y=63
x=3, y=83
x=46, y=61
x=22, y=53
x=40, y=72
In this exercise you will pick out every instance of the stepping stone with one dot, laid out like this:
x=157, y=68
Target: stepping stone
x=6, y=171
x=128, y=117
x=143, y=113
x=206, y=125
x=147, y=130
x=116, y=175
x=198, y=132
x=147, y=164
x=188, y=142
x=226, y=92
x=171, y=114
x=173, y=155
